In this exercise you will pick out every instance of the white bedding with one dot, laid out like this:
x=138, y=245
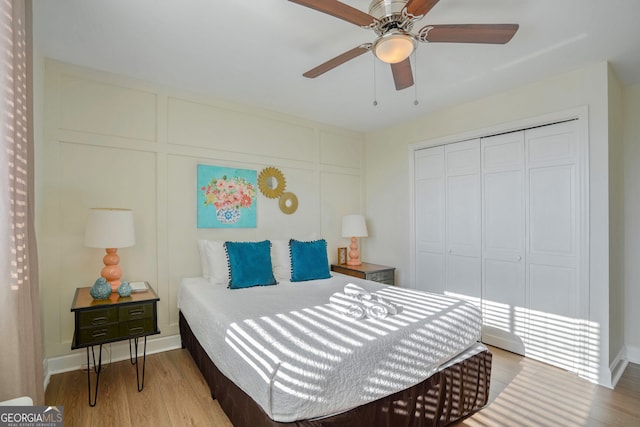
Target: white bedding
x=298, y=358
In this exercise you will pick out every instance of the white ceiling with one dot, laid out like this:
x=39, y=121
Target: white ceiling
x=254, y=52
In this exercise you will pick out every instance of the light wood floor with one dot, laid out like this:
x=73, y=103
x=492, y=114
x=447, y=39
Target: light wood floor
x=523, y=393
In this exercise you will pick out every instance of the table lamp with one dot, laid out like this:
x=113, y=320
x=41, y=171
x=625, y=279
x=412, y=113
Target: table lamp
x=354, y=226
x=110, y=228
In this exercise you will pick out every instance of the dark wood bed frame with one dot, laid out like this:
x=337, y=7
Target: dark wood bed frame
x=446, y=397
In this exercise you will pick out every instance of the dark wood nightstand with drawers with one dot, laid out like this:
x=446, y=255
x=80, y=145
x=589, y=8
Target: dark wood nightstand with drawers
x=375, y=272
x=99, y=322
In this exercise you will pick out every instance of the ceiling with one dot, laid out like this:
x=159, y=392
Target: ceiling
x=254, y=52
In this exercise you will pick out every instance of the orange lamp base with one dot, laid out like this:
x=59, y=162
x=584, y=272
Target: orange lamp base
x=354, y=255
x=111, y=270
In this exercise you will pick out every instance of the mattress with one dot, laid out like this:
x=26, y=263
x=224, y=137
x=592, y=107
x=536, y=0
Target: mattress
x=299, y=358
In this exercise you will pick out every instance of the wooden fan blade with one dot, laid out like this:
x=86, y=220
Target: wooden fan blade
x=339, y=10
x=402, y=74
x=338, y=60
x=420, y=7
x=468, y=33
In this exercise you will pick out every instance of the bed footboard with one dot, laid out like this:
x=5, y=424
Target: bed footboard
x=445, y=397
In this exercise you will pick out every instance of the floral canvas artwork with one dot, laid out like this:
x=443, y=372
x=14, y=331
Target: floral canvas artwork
x=226, y=197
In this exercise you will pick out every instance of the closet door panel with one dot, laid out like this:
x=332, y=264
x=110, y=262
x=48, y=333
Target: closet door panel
x=463, y=278
x=552, y=145
x=463, y=158
x=430, y=211
x=430, y=274
x=503, y=311
x=463, y=215
x=552, y=215
x=552, y=290
x=430, y=245
x=503, y=213
x=503, y=294
x=554, y=294
x=554, y=333
x=552, y=210
x=429, y=163
x=503, y=241
x=463, y=265
x=430, y=220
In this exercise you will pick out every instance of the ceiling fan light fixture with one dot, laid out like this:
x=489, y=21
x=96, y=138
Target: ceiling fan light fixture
x=394, y=47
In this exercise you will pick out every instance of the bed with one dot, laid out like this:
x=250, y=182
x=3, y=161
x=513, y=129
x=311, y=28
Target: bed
x=283, y=356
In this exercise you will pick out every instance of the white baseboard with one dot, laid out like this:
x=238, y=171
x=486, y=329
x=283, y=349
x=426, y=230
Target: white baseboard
x=114, y=352
x=633, y=354
x=618, y=366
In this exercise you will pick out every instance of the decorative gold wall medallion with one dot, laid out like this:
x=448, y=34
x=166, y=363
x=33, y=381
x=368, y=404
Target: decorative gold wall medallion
x=271, y=182
x=288, y=203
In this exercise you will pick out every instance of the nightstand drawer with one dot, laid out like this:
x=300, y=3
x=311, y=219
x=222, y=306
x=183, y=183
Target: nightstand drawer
x=97, y=317
x=373, y=272
x=138, y=311
x=382, y=276
x=88, y=336
x=137, y=327
x=349, y=271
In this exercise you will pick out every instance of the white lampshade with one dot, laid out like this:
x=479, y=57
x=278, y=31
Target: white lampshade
x=354, y=226
x=110, y=228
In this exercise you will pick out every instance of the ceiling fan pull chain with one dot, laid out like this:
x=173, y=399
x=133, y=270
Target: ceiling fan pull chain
x=415, y=73
x=375, y=95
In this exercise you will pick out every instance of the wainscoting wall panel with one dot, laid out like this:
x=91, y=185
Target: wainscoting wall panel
x=110, y=141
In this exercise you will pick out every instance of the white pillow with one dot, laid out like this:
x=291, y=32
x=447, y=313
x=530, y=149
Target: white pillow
x=216, y=262
x=204, y=265
x=281, y=259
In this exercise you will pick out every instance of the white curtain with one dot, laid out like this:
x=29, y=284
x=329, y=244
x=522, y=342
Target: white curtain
x=21, y=371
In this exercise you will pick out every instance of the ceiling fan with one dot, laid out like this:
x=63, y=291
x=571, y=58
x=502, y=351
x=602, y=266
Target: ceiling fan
x=392, y=21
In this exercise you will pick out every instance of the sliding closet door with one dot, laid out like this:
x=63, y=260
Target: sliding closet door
x=498, y=222
x=447, y=219
x=503, y=241
x=430, y=220
x=463, y=266
x=553, y=245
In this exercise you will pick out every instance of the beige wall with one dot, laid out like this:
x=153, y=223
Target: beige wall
x=112, y=142
x=387, y=194
x=631, y=102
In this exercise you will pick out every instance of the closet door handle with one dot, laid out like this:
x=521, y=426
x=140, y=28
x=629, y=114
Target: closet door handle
x=450, y=251
x=519, y=258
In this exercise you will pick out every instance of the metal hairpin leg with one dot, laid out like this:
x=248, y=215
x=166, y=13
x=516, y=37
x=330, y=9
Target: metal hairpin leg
x=134, y=361
x=96, y=368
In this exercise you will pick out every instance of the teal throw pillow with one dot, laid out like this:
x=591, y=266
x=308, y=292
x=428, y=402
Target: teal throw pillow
x=309, y=260
x=249, y=264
